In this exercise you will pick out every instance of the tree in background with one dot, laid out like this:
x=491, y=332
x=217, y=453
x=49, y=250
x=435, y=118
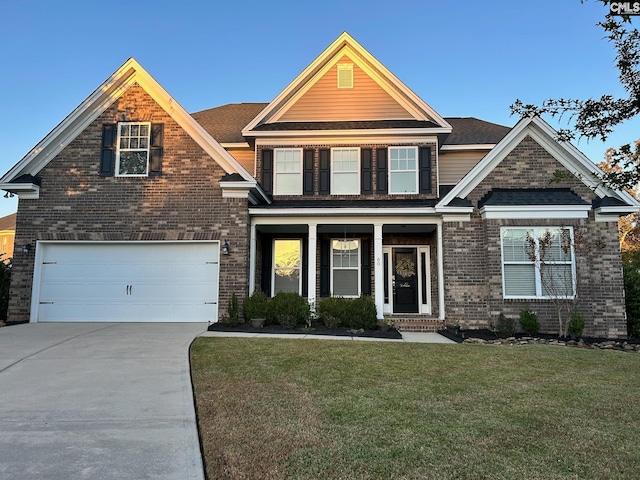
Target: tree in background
x=596, y=118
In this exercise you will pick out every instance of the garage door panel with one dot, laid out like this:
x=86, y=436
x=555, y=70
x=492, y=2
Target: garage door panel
x=128, y=282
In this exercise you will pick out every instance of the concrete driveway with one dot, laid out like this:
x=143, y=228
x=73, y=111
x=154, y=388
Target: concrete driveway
x=98, y=401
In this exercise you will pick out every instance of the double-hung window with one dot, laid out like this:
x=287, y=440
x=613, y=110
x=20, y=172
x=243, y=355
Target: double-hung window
x=345, y=268
x=288, y=171
x=538, y=262
x=287, y=266
x=403, y=169
x=345, y=171
x=132, y=155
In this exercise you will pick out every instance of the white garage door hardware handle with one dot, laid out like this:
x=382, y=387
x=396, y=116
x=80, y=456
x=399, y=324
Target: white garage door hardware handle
x=210, y=303
x=129, y=289
x=46, y=303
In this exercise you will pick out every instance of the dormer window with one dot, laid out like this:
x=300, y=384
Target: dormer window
x=132, y=156
x=345, y=75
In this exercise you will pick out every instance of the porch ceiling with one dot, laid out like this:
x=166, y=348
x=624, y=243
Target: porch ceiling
x=354, y=228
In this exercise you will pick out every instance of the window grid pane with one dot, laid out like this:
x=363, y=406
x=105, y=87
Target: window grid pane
x=550, y=276
x=344, y=171
x=288, y=177
x=133, y=148
x=345, y=268
x=403, y=170
x=287, y=261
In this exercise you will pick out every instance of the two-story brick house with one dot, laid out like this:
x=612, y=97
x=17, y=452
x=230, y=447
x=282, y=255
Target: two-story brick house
x=346, y=184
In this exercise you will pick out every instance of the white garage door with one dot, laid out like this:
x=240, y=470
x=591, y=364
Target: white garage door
x=126, y=282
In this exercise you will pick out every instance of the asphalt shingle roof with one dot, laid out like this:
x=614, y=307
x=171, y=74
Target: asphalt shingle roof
x=355, y=203
x=531, y=196
x=225, y=124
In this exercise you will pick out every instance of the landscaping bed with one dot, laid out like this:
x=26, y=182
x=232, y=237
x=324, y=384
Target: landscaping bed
x=316, y=329
x=486, y=336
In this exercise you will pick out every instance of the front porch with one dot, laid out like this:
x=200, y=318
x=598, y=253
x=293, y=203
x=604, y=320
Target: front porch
x=395, y=259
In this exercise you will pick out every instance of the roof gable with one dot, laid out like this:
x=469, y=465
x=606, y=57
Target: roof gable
x=564, y=152
x=397, y=101
x=130, y=73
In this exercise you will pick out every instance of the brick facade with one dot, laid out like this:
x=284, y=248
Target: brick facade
x=472, y=255
x=184, y=203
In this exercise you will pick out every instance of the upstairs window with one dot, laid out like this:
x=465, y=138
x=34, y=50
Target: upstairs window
x=288, y=172
x=345, y=75
x=403, y=169
x=345, y=172
x=132, y=155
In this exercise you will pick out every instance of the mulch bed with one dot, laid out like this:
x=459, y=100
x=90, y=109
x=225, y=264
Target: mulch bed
x=380, y=332
x=491, y=337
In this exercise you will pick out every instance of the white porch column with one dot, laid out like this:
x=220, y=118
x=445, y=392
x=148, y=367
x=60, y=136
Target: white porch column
x=252, y=258
x=378, y=269
x=311, y=265
x=440, y=273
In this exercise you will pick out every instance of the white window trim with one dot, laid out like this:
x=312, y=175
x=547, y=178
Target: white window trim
x=273, y=264
x=333, y=268
x=148, y=150
x=357, y=172
x=275, y=170
x=537, y=231
x=424, y=304
x=344, y=67
x=416, y=171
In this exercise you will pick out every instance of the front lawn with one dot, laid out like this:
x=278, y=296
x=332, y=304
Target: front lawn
x=287, y=409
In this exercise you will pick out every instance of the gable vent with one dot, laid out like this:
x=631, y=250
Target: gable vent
x=345, y=75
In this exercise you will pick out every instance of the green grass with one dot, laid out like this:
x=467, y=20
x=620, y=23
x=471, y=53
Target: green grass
x=287, y=409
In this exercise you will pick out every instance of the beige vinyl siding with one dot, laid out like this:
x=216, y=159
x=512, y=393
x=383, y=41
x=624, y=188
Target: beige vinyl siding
x=324, y=101
x=452, y=166
x=246, y=157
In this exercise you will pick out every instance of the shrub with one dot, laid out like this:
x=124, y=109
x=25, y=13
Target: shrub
x=333, y=312
x=256, y=305
x=289, y=309
x=362, y=313
x=505, y=327
x=631, y=272
x=529, y=322
x=576, y=324
x=233, y=309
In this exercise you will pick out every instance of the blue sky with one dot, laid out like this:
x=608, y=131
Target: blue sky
x=464, y=58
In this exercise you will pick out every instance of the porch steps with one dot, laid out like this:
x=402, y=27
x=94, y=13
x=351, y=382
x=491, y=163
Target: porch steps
x=417, y=324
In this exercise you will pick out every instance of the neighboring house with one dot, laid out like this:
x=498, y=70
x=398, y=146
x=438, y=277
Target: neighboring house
x=346, y=184
x=7, y=236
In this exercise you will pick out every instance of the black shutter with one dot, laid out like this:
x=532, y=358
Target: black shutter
x=324, y=268
x=381, y=157
x=108, y=152
x=366, y=170
x=425, y=169
x=305, y=267
x=307, y=182
x=365, y=271
x=266, y=179
x=267, y=265
x=155, y=153
x=325, y=172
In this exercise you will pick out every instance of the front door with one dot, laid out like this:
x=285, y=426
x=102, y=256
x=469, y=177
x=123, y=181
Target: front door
x=404, y=277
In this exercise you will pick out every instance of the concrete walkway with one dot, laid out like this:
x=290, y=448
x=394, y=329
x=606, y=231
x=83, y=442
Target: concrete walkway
x=98, y=401
x=406, y=337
